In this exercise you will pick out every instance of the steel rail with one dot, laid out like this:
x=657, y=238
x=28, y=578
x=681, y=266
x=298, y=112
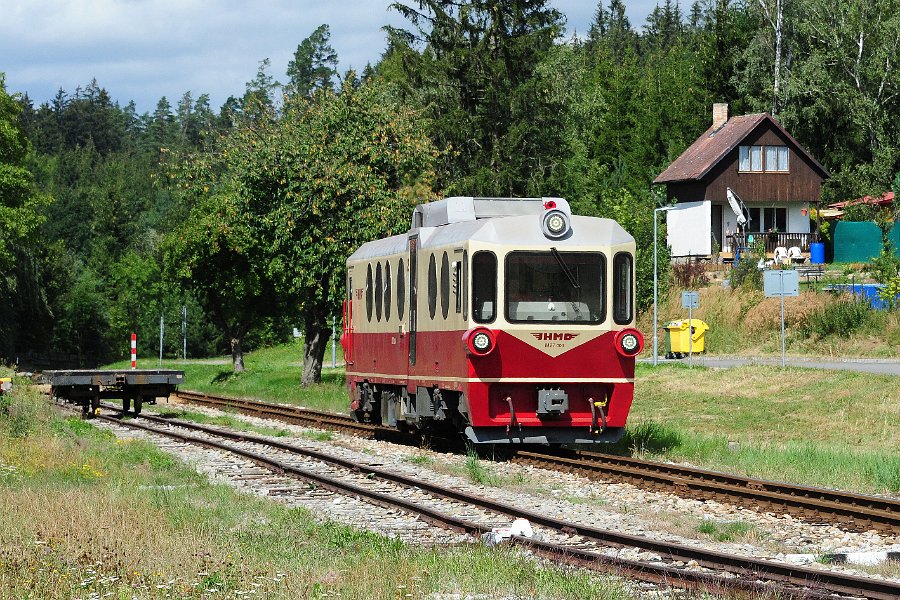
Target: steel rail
x=747, y=570
x=853, y=511
x=858, y=511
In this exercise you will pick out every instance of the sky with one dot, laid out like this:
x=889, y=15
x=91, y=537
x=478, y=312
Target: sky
x=142, y=50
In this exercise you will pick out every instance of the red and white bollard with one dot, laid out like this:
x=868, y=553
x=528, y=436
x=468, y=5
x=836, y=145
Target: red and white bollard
x=133, y=350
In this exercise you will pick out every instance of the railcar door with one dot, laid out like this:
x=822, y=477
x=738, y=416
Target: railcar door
x=413, y=299
x=347, y=337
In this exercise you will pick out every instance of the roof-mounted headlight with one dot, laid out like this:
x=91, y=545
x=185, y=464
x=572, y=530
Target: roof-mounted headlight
x=555, y=223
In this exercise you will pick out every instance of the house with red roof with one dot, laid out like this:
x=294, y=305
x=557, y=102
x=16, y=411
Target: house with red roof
x=744, y=178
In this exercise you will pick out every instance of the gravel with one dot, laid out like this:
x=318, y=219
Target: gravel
x=614, y=506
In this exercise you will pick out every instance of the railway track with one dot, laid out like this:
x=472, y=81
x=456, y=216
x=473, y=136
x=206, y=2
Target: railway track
x=851, y=511
x=290, y=414
x=562, y=541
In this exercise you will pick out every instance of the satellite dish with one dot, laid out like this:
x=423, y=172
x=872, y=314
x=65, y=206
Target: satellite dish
x=737, y=206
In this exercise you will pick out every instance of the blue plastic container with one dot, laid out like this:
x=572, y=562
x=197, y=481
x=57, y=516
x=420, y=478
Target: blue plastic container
x=817, y=253
x=864, y=291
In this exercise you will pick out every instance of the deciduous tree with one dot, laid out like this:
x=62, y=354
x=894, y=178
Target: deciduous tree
x=19, y=199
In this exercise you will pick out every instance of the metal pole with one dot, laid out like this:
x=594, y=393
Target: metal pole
x=781, y=280
x=655, y=288
x=161, y=329
x=691, y=335
x=655, y=315
x=184, y=330
x=333, y=350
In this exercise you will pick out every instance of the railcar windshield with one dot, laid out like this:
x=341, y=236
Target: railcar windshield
x=556, y=287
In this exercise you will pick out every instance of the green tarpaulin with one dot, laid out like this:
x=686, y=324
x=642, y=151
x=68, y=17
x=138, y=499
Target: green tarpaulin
x=860, y=241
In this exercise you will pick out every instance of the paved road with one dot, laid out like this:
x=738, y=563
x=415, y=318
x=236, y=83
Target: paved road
x=866, y=365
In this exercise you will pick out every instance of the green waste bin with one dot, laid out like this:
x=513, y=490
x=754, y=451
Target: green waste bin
x=681, y=339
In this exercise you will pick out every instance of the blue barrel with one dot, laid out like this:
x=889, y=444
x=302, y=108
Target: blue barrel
x=817, y=253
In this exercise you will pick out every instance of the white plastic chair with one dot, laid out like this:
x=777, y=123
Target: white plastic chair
x=795, y=255
x=781, y=255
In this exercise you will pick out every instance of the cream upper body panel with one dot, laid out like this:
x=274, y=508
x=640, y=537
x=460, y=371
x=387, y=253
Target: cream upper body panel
x=460, y=241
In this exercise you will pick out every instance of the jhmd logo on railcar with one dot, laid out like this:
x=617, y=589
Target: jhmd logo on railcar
x=546, y=336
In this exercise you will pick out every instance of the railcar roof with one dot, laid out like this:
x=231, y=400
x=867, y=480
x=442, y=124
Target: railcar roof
x=506, y=231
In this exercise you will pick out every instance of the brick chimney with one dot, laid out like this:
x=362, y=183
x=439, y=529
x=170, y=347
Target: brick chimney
x=720, y=114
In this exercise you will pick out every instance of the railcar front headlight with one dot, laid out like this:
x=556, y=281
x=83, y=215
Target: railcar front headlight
x=629, y=342
x=480, y=341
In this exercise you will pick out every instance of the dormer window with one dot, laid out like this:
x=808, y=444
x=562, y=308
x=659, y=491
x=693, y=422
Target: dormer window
x=750, y=159
x=777, y=158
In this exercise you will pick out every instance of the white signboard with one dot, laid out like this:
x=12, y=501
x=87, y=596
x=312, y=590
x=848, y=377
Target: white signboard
x=689, y=229
x=781, y=283
x=690, y=300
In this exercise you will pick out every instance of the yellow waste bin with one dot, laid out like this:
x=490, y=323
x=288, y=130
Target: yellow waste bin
x=684, y=339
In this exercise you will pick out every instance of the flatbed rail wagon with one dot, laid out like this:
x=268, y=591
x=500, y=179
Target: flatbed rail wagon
x=87, y=387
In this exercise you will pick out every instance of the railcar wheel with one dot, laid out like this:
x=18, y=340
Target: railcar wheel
x=138, y=402
x=95, y=404
x=126, y=404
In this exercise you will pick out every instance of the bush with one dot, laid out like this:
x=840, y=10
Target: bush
x=689, y=275
x=746, y=274
x=839, y=318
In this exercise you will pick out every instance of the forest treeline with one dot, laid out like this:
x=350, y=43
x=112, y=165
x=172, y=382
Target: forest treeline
x=244, y=214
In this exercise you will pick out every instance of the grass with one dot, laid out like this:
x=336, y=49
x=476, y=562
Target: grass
x=220, y=420
x=478, y=473
x=271, y=374
x=729, y=531
x=830, y=428
x=420, y=459
x=87, y=515
x=744, y=322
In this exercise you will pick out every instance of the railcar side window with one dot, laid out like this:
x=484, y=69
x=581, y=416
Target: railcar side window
x=484, y=287
x=379, y=292
x=556, y=287
x=457, y=291
x=401, y=290
x=445, y=285
x=465, y=284
x=623, y=292
x=432, y=287
x=369, y=293
x=387, y=291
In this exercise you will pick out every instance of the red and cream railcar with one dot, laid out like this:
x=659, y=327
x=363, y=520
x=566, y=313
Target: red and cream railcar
x=508, y=319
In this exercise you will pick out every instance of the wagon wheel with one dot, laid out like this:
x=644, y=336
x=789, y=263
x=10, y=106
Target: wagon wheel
x=126, y=404
x=138, y=402
x=95, y=404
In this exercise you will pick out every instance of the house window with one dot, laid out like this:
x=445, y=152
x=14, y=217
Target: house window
x=777, y=158
x=750, y=158
x=768, y=219
x=775, y=219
